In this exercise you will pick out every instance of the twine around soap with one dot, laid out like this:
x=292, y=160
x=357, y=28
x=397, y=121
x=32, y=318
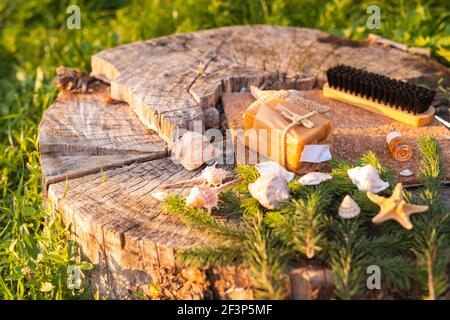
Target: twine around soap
x=296, y=120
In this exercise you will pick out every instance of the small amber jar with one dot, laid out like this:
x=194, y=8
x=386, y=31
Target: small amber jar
x=399, y=147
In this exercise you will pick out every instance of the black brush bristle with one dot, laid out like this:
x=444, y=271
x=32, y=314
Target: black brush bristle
x=379, y=88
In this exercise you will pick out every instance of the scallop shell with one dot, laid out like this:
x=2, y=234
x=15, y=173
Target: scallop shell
x=270, y=191
x=272, y=168
x=194, y=149
x=349, y=208
x=367, y=179
x=314, y=178
x=406, y=173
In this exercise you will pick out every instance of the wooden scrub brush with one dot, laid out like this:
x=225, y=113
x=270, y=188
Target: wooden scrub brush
x=392, y=98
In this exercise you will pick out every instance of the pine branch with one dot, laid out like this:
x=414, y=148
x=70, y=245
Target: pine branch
x=347, y=257
x=230, y=204
x=201, y=219
x=248, y=174
x=430, y=234
x=299, y=224
x=341, y=183
x=266, y=259
x=266, y=240
x=431, y=167
x=340, y=166
x=368, y=207
x=397, y=272
x=388, y=244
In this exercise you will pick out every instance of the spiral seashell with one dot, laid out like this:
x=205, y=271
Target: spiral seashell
x=202, y=196
x=210, y=175
x=348, y=208
x=205, y=196
x=367, y=179
x=214, y=176
x=270, y=191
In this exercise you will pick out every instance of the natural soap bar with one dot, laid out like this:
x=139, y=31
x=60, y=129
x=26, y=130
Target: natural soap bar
x=264, y=125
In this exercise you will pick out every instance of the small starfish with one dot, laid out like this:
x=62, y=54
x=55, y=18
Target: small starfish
x=395, y=207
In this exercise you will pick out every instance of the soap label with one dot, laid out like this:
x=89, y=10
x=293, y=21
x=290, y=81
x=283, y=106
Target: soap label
x=316, y=153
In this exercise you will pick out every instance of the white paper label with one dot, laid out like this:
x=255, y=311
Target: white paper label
x=316, y=153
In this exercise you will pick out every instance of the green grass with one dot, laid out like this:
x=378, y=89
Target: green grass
x=34, y=247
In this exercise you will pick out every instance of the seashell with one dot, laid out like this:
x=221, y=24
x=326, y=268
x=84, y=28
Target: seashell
x=270, y=191
x=406, y=173
x=314, y=178
x=194, y=149
x=367, y=179
x=214, y=176
x=205, y=196
x=349, y=208
x=210, y=175
x=272, y=168
x=159, y=195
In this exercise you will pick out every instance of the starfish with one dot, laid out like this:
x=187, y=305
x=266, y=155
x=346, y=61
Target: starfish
x=395, y=207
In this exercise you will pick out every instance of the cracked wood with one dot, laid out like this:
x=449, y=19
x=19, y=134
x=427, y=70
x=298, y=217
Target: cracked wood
x=169, y=81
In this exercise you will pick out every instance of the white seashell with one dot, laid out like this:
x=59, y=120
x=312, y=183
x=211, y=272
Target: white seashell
x=210, y=175
x=194, y=149
x=159, y=195
x=406, y=173
x=314, y=178
x=270, y=191
x=214, y=176
x=272, y=168
x=204, y=196
x=367, y=179
x=349, y=208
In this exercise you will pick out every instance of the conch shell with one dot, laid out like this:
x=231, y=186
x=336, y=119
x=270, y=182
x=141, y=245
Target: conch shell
x=314, y=178
x=270, y=191
x=272, y=168
x=204, y=196
x=211, y=175
x=214, y=176
x=367, y=179
x=194, y=149
x=349, y=208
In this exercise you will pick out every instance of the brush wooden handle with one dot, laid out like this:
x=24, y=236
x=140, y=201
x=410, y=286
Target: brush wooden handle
x=416, y=120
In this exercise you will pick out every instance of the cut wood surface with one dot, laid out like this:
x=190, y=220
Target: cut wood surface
x=120, y=226
x=101, y=161
x=81, y=134
x=170, y=81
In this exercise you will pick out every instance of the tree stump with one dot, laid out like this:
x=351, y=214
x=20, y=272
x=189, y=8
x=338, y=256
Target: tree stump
x=101, y=161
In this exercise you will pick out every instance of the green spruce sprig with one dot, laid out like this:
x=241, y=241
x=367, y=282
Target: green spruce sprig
x=266, y=241
x=431, y=236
